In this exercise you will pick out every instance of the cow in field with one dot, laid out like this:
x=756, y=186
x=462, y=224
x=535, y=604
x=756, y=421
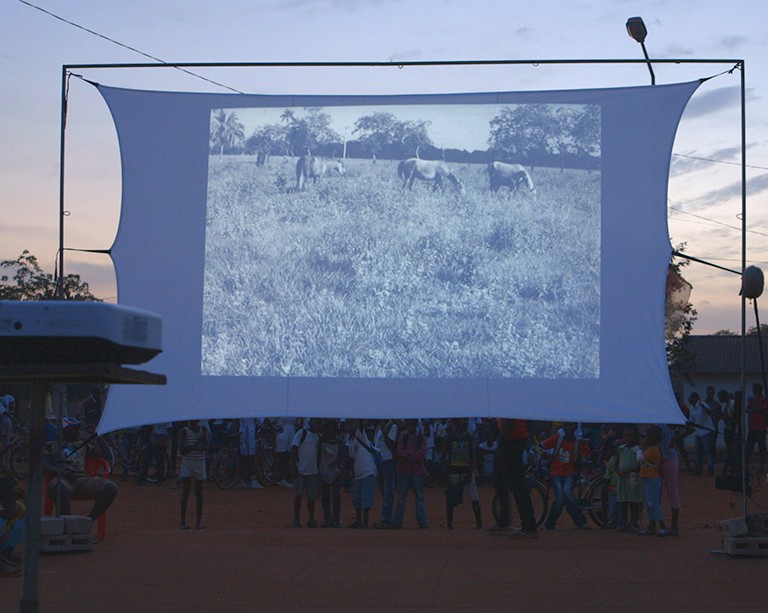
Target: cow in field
x=509, y=175
x=430, y=171
x=313, y=167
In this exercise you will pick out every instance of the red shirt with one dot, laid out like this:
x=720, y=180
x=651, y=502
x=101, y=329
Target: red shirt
x=518, y=430
x=757, y=409
x=564, y=460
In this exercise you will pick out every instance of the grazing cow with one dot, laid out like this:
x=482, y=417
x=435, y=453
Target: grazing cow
x=313, y=167
x=432, y=171
x=511, y=175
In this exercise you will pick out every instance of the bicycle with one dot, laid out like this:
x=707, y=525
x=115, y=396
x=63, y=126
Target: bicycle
x=225, y=468
x=590, y=491
x=133, y=463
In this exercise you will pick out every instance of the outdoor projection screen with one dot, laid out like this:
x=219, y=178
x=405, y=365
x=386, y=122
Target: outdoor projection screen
x=364, y=256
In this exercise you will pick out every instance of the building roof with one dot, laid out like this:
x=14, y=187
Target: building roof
x=721, y=354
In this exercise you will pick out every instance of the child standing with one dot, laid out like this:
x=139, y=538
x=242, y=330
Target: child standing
x=364, y=486
x=610, y=483
x=331, y=463
x=459, y=467
x=193, y=442
x=650, y=460
x=629, y=489
x=305, y=455
x=486, y=452
x=562, y=475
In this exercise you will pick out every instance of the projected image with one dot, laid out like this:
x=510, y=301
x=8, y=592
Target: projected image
x=424, y=241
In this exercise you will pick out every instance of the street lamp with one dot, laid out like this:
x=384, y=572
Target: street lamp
x=636, y=29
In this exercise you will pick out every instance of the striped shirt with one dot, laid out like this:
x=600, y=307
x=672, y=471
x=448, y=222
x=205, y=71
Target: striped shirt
x=192, y=440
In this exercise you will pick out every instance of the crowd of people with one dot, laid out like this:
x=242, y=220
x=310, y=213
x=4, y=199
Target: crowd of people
x=382, y=462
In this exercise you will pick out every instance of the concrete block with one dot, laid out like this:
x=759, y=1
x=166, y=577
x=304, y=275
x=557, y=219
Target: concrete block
x=77, y=524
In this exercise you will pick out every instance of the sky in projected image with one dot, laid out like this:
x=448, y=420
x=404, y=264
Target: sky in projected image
x=370, y=271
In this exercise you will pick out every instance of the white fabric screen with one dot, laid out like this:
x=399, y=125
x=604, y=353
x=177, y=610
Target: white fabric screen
x=362, y=295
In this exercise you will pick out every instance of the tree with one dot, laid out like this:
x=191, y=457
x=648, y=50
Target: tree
x=680, y=314
x=383, y=132
x=308, y=132
x=533, y=132
x=27, y=281
x=269, y=139
x=522, y=131
x=227, y=133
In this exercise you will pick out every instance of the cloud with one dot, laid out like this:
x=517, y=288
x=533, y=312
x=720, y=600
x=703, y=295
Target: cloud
x=755, y=185
x=676, y=51
x=732, y=43
x=713, y=101
x=690, y=161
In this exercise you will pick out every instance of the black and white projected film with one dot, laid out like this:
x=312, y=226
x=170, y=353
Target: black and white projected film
x=422, y=248
x=420, y=255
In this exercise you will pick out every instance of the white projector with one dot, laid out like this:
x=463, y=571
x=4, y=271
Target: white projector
x=76, y=332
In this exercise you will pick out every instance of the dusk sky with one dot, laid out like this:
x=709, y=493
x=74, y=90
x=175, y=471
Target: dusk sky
x=704, y=193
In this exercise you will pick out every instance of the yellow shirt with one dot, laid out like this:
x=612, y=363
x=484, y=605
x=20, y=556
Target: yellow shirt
x=649, y=467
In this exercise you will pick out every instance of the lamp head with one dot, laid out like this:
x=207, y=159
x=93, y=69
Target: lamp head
x=636, y=29
x=752, y=282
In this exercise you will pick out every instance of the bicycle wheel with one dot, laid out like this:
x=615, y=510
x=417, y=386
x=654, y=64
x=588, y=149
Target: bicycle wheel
x=594, y=500
x=539, y=500
x=265, y=467
x=224, y=469
x=154, y=474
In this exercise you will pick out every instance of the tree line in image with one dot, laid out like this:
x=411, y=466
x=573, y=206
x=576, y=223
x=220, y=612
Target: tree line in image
x=531, y=134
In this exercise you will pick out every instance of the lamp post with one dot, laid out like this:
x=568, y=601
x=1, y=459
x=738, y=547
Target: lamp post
x=636, y=29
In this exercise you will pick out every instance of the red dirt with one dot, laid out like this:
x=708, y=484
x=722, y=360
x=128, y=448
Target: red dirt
x=248, y=559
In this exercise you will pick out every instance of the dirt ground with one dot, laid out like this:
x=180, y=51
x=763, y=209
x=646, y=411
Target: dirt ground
x=248, y=559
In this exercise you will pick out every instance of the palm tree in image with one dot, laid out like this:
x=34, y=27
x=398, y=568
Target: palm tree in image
x=227, y=133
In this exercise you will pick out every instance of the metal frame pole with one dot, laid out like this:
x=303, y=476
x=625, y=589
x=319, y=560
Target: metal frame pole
x=62, y=211
x=744, y=420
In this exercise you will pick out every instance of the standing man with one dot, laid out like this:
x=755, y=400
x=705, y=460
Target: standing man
x=385, y=440
x=716, y=415
x=193, y=442
x=411, y=472
x=459, y=465
x=669, y=471
x=510, y=474
x=757, y=413
x=701, y=418
x=305, y=465
x=361, y=453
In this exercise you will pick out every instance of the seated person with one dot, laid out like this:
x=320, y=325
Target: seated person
x=76, y=445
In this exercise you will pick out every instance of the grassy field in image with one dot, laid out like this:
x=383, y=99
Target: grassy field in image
x=358, y=277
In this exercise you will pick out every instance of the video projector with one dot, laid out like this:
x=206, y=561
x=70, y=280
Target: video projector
x=76, y=332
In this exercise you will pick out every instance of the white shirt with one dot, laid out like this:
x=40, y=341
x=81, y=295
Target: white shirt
x=308, y=451
x=699, y=417
x=381, y=444
x=284, y=439
x=488, y=458
x=364, y=463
